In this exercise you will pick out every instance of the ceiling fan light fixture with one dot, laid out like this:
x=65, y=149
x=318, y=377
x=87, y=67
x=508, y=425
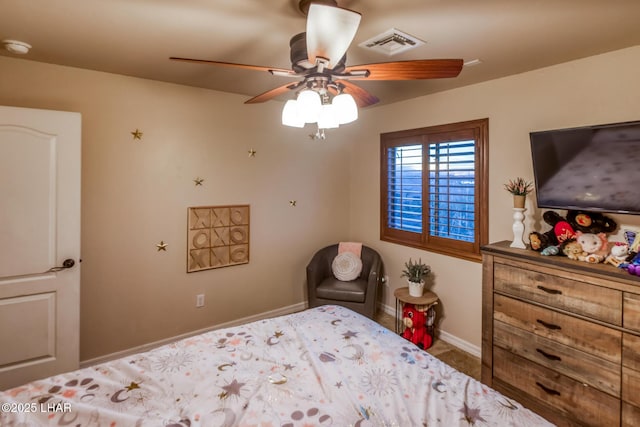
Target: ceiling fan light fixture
x=330, y=31
x=309, y=108
x=345, y=107
x=291, y=114
x=318, y=63
x=309, y=104
x=327, y=118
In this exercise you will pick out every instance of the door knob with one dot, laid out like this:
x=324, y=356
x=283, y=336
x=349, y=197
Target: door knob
x=67, y=263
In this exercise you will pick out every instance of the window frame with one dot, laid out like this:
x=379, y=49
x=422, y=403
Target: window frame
x=478, y=130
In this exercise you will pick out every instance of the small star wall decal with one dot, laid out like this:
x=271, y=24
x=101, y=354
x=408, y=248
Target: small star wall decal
x=252, y=152
x=198, y=181
x=137, y=134
x=162, y=246
x=292, y=202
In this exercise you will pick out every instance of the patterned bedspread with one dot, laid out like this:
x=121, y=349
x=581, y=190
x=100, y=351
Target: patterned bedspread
x=326, y=366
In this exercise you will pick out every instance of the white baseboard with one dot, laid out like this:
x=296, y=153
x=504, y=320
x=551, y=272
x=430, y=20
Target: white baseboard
x=443, y=335
x=474, y=350
x=146, y=347
x=391, y=311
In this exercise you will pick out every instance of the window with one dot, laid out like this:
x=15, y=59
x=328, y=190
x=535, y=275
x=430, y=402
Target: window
x=433, y=188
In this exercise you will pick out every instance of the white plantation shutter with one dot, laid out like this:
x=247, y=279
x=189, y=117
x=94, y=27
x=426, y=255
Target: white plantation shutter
x=433, y=188
x=452, y=190
x=404, y=187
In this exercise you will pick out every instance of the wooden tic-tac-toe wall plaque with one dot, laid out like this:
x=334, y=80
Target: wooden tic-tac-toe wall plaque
x=218, y=237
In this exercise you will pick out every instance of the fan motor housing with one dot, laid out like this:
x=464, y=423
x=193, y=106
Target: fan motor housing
x=300, y=59
x=304, y=4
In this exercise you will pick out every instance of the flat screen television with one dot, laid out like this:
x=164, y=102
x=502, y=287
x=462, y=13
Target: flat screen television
x=592, y=168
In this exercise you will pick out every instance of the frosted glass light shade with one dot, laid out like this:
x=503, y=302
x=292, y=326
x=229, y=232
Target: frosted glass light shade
x=291, y=114
x=327, y=118
x=346, y=109
x=330, y=31
x=309, y=104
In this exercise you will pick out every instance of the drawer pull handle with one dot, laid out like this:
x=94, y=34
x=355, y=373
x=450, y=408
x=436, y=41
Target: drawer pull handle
x=549, y=325
x=548, y=355
x=549, y=290
x=548, y=390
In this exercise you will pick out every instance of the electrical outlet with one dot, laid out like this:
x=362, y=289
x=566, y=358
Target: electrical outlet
x=200, y=300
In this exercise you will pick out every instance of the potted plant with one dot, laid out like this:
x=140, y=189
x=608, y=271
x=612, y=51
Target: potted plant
x=519, y=188
x=415, y=272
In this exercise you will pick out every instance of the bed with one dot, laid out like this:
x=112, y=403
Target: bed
x=326, y=366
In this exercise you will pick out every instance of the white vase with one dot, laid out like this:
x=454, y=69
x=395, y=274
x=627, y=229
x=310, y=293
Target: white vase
x=518, y=228
x=416, y=288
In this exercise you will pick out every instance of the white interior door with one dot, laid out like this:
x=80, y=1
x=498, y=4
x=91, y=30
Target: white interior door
x=39, y=230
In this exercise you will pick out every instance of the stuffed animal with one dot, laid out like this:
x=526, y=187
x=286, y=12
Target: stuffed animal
x=633, y=266
x=538, y=241
x=591, y=222
x=560, y=231
x=633, y=239
x=414, y=319
x=572, y=249
x=595, y=247
x=618, y=253
x=561, y=227
x=632, y=261
x=550, y=250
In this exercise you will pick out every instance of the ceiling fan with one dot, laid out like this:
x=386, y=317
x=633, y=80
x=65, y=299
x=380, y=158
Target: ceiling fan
x=318, y=59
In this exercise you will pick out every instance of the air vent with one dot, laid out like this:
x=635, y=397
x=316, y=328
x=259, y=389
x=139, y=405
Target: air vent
x=392, y=42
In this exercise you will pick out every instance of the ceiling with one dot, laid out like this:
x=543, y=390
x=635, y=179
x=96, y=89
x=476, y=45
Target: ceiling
x=137, y=37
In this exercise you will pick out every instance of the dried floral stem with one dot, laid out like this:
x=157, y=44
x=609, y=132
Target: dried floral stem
x=519, y=187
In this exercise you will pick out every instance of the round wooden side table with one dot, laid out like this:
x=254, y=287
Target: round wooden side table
x=428, y=300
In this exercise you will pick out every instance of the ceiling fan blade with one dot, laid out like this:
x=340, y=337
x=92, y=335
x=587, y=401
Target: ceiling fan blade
x=330, y=31
x=272, y=70
x=270, y=94
x=410, y=70
x=362, y=97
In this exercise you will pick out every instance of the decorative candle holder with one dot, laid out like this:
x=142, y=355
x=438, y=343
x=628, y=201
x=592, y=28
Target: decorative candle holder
x=518, y=228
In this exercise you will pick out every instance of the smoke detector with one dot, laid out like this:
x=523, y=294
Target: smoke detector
x=392, y=42
x=17, y=47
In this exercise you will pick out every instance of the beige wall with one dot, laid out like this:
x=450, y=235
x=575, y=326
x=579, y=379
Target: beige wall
x=600, y=89
x=136, y=193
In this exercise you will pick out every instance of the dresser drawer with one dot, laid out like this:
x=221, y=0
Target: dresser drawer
x=630, y=415
x=631, y=386
x=632, y=311
x=602, y=342
x=560, y=292
x=583, y=367
x=631, y=351
x=575, y=400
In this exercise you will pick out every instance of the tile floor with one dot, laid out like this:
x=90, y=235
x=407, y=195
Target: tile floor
x=451, y=355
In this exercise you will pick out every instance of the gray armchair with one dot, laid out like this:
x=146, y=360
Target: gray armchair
x=360, y=295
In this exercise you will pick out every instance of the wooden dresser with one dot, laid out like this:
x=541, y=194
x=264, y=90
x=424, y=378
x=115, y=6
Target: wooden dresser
x=562, y=337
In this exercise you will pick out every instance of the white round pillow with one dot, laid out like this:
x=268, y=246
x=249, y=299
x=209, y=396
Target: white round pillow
x=346, y=266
